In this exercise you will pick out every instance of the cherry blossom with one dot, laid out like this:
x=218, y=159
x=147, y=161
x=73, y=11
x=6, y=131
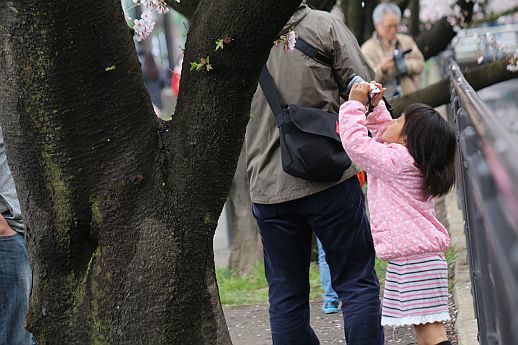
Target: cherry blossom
x=287, y=41
x=145, y=25
x=513, y=62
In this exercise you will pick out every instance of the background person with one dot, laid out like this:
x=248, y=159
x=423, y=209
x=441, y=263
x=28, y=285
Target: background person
x=15, y=272
x=331, y=302
x=153, y=79
x=399, y=75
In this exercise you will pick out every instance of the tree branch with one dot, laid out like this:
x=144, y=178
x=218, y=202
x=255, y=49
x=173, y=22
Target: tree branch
x=438, y=93
x=402, y=4
x=414, y=17
x=492, y=17
x=432, y=42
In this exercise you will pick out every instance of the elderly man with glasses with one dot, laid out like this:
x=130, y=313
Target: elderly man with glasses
x=395, y=57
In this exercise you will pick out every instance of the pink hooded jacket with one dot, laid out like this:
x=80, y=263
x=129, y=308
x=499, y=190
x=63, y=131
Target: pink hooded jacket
x=402, y=217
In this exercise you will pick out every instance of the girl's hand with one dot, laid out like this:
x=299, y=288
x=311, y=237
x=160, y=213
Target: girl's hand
x=359, y=92
x=377, y=97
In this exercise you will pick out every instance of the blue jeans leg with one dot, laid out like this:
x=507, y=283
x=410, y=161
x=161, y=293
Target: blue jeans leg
x=325, y=275
x=15, y=287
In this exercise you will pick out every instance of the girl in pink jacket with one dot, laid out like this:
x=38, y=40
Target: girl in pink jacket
x=408, y=161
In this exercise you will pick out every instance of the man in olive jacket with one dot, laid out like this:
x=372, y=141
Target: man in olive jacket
x=288, y=209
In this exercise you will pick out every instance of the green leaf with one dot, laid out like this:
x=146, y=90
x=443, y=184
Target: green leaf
x=219, y=44
x=166, y=117
x=110, y=68
x=194, y=66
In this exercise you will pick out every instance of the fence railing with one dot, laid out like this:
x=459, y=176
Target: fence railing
x=487, y=187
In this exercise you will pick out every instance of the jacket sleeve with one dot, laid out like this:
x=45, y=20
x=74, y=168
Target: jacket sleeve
x=378, y=120
x=376, y=158
x=347, y=56
x=414, y=60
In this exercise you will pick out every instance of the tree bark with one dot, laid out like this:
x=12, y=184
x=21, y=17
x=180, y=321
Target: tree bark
x=358, y=18
x=414, y=18
x=246, y=249
x=122, y=210
x=432, y=42
x=438, y=93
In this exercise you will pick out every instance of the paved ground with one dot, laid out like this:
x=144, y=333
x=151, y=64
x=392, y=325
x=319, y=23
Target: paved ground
x=250, y=326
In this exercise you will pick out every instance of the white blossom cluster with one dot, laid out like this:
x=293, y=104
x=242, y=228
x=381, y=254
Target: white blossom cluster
x=292, y=39
x=457, y=19
x=490, y=44
x=159, y=5
x=432, y=11
x=287, y=41
x=145, y=25
x=513, y=62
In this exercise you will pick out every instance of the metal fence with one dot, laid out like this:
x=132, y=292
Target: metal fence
x=487, y=186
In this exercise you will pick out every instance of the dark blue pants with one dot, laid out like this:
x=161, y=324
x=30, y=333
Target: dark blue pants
x=337, y=216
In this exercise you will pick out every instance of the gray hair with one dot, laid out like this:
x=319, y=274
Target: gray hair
x=379, y=12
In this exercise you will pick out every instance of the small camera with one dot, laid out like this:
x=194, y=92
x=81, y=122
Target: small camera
x=399, y=59
x=355, y=78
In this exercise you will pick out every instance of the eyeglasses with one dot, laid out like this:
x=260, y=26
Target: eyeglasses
x=392, y=26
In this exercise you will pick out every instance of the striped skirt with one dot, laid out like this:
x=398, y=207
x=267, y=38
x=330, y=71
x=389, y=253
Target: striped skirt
x=416, y=291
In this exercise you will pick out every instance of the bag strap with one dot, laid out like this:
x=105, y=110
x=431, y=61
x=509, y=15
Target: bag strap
x=313, y=53
x=271, y=94
x=268, y=86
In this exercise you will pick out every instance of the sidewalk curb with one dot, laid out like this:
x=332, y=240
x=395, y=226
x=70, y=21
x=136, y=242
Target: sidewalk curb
x=466, y=323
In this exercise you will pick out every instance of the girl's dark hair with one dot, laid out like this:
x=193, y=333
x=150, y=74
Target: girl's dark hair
x=432, y=143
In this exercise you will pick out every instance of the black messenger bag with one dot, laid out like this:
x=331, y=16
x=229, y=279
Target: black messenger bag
x=310, y=147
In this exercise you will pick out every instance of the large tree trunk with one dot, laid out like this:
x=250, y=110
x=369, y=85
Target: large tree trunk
x=123, y=211
x=438, y=94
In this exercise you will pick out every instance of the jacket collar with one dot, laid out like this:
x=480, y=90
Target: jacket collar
x=297, y=16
